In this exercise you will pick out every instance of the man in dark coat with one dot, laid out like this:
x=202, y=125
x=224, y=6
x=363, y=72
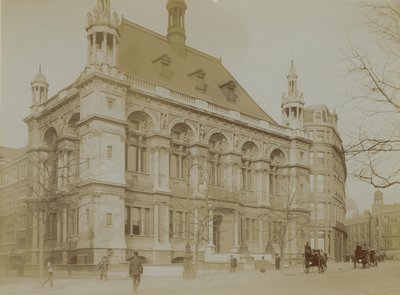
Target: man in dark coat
x=277, y=262
x=135, y=270
x=233, y=263
x=307, y=251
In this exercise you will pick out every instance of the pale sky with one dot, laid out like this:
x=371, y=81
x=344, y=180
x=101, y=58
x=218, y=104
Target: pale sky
x=256, y=40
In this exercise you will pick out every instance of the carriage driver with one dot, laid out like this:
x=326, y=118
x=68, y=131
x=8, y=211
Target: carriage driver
x=358, y=249
x=307, y=251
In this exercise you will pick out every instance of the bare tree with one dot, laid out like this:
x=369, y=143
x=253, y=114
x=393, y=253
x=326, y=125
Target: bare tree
x=375, y=149
x=52, y=187
x=198, y=218
x=288, y=217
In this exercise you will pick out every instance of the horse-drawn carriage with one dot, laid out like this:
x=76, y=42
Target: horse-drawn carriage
x=315, y=258
x=362, y=257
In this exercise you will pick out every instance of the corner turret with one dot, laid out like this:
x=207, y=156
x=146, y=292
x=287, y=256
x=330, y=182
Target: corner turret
x=103, y=35
x=39, y=88
x=292, y=103
x=176, y=26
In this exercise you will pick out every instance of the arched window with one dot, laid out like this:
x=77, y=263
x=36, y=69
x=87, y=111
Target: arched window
x=137, y=151
x=181, y=136
x=217, y=143
x=276, y=180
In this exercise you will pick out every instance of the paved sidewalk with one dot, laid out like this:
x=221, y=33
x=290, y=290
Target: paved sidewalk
x=30, y=285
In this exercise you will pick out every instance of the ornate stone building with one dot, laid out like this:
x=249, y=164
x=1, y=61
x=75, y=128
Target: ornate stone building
x=156, y=146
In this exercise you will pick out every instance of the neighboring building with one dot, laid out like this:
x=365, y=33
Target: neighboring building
x=359, y=229
x=327, y=182
x=153, y=129
x=14, y=229
x=351, y=208
x=386, y=226
x=378, y=228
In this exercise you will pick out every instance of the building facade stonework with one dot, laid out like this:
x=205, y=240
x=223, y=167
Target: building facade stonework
x=158, y=146
x=327, y=182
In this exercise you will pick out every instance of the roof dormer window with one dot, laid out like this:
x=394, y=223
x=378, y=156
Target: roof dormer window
x=164, y=65
x=229, y=90
x=198, y=77
x=318, y=116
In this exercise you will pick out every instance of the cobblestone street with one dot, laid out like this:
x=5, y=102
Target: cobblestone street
x=339, y=279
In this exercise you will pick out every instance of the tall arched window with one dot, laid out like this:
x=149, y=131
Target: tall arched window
x=217, y=144
x=181, y=136
x=249, y=152
x=276, y=179
x=137, y=151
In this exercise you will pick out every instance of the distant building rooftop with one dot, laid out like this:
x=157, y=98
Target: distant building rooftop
x=8, y=154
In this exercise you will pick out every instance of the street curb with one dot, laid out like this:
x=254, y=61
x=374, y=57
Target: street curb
x=29, y=291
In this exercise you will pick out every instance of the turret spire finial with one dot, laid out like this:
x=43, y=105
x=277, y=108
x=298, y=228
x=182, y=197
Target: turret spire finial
x=176, y=26
x=103, y=6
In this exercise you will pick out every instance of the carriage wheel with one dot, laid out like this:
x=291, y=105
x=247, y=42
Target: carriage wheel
x=306, y=267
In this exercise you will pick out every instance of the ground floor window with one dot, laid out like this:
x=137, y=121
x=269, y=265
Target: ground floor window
x=73, y=222
x=177, y=224
x=138, y=221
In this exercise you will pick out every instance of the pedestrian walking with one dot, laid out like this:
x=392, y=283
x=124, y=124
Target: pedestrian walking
x=135, y=270
x=233, y=263
x=263, y=265
x=50, y=271
x=277, y=262
x=104, y=268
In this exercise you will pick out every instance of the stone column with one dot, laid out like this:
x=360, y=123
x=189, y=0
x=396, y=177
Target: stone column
x=210, y=228
x=156, y=224
x=156, y=171
x=139, y=158
x=259, y=186
x=64, y=231
x=60, y=171
x=35, y=231
x=195, y=225
x=166, y=221
x=94, y=53
x=260, y=235
x=104, y=43
x=164, y=225
x=326, y=242
x=59, y=236
x=164, y=168
x=266, y=184
x=114, y=51
x=142, y=222
x=89, y=37
x=235, y=231
x=229, y=177
x=65, y=169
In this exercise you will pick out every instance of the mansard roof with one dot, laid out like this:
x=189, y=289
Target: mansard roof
x=139, y=47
